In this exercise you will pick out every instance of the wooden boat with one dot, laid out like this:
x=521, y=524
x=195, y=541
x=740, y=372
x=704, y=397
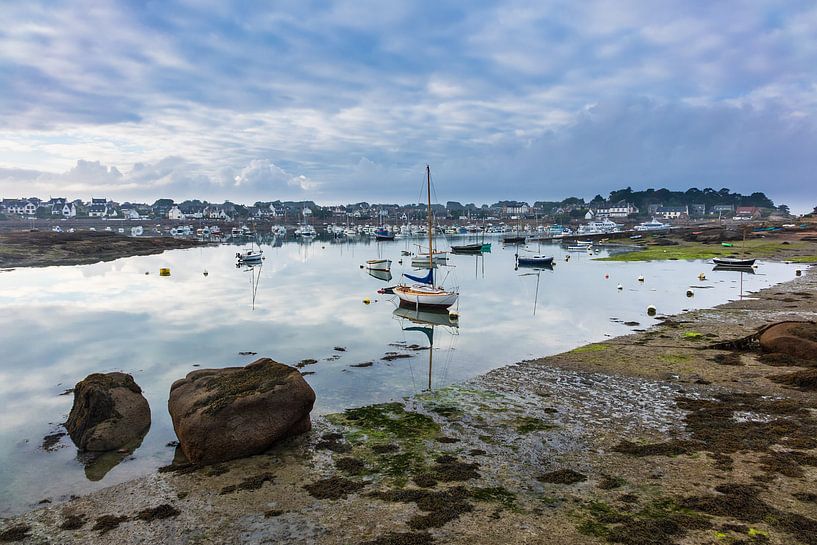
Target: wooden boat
x=378, y=264
x=467, y=248
x=733, y=262
x=534, y=261
x=425, y=294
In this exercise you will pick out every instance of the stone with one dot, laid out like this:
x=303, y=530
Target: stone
x=797, y=339
x=109, y=413
x=234, y=412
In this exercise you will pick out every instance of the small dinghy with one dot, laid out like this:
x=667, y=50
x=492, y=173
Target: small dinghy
x=733, y=262
x=534, y=261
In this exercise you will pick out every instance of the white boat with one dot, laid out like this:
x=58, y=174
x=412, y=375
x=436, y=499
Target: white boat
x=425, y=294
x=250, y=256
x=136, y=231
x=378, y=264
x=599, y=227
x=652, y=225
x=305, y=230
x=57, y=229
x=279, y=231
x=421, y=260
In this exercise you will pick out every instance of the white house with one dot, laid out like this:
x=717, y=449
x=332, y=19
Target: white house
x=130, y=214
x=671, y=212
x=175, y=214
x=621, y=209
x=29, y=209
x=589, y=215
x=68, y=210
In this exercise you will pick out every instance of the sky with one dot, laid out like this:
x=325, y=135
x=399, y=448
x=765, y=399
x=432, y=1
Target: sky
x=345, y=101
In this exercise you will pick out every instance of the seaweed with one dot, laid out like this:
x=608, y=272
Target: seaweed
x=250, y=483
x=73, y=522
x=441, y=507
x=106, y=523
x=403, y=538
x=351, y=466
x=160, y=512
x=17, y=532
x=333, y=488
x=562, y=476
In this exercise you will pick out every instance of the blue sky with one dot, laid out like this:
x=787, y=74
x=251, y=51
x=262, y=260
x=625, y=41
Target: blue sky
x=339, y=101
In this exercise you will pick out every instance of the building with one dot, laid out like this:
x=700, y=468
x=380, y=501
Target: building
x=68, y=210
x=175, y=213
x=747, y=212
x=697, y=210
x=672, y=212
x=719, y=209
x=98, y=208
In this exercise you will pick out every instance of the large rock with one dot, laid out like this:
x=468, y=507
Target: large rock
x=222, y=414
x=109, y=413
x=798, y=339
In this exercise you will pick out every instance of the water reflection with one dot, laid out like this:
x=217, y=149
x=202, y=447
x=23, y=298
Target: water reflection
x=63, y=323
x=425, y=321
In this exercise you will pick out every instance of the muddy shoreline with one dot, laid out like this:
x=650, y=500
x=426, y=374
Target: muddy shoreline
x=654, y=437
x=47, y=248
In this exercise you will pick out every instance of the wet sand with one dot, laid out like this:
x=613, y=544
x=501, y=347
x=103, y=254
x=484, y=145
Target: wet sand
x=655, y=437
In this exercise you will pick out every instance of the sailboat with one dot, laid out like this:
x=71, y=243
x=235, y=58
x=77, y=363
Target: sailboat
x=517, y=238
x=425, y=322
x=425, y=294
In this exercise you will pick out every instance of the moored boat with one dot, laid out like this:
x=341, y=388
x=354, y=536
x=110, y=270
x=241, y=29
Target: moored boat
x=534, y=261
x=378, y=264
x=733, y=262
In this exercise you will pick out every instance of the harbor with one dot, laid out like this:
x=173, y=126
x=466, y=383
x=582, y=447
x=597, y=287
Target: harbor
x=554, y=416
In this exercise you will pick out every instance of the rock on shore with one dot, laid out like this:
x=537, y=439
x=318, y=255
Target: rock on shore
x=109, y=412
x=797, y=339
x=222, y=414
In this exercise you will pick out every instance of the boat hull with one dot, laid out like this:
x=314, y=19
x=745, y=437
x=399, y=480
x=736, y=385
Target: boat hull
x=378, y=264
x=727, y=262
x=423, y=297
x=535, y=262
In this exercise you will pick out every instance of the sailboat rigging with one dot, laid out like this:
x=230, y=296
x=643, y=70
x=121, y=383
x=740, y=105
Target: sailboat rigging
x=425, y=294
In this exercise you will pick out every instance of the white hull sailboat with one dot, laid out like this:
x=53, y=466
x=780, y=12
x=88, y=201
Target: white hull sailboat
x=378, y=264
x=425, y=294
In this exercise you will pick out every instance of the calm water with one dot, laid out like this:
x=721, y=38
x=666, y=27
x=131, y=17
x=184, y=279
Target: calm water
x=61, y=323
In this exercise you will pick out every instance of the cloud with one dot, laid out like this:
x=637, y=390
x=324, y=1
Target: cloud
x=186, y=96
x=173, y=177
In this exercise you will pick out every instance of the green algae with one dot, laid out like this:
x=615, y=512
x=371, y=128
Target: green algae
x=495, y=494
x=387, y=420
x=660, y=522
x=589, y=348
x=529, y=424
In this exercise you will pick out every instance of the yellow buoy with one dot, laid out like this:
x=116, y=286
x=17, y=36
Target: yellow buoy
x=164, y=271
x=702, y=276
x=366, y=300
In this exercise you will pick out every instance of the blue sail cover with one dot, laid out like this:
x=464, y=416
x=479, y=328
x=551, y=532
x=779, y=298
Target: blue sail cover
x=427, y=279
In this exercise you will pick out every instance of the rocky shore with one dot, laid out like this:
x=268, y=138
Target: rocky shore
x=683, y=433
x=47, y=248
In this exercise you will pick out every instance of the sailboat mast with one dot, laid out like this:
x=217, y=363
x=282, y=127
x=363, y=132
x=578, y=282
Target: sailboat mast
x=430, y=225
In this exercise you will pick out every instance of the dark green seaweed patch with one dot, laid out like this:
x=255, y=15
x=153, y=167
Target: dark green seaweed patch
x=333, y=488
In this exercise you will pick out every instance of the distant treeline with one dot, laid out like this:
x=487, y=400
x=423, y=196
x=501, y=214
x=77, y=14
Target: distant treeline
x=666, y=197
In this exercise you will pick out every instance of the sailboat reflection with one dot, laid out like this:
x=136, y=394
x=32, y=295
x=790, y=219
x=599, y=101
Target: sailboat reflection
x=425, y=321
x=255, y=277
x=733, y=268
x=537, y=273
x=385, y=276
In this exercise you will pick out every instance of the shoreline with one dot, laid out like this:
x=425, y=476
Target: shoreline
x=46, y=248
x=579, y=447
